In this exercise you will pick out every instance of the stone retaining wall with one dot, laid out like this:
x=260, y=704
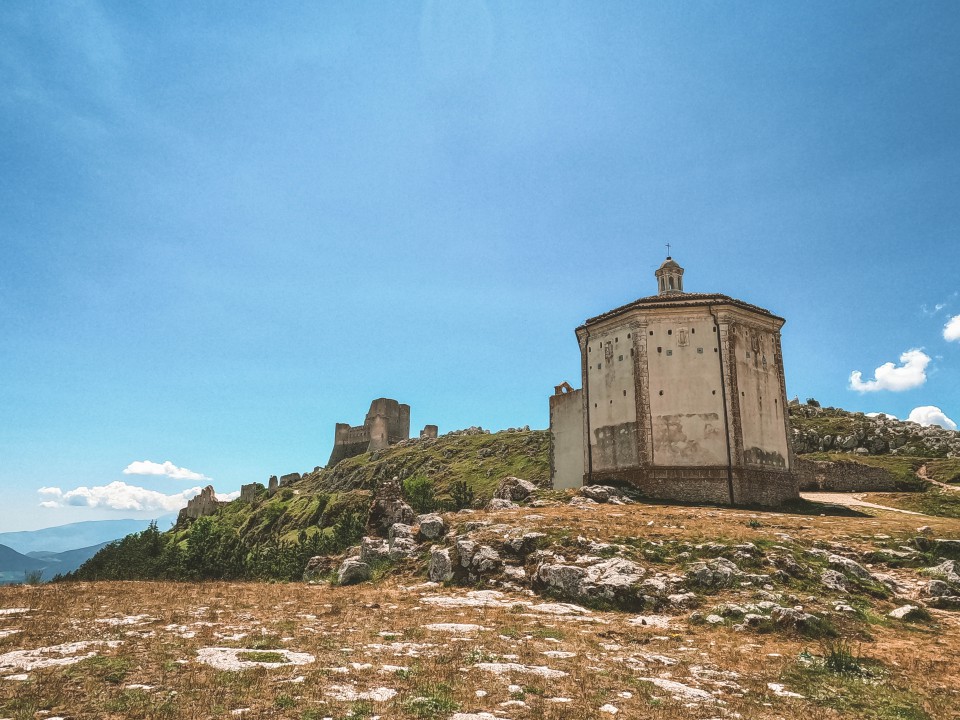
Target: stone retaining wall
x=827, y=476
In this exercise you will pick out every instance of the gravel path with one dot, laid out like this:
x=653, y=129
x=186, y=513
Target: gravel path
x=851, y=500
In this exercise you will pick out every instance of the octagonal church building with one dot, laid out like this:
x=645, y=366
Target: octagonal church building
x=683, y=397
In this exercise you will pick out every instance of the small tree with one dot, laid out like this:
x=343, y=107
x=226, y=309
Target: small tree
x=812, y=402
x=419, y=492
x=461, y=494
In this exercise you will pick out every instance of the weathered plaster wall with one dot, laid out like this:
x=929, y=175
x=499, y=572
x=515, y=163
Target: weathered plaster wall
x=761, y=405
x=612, y=400
x=686, y=402
x=566, y=448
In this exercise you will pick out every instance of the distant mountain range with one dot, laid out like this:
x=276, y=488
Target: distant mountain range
x=62, y=549
x=75, y=535
x=14, y=566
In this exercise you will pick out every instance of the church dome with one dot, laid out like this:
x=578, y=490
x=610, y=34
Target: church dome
x=669, y=263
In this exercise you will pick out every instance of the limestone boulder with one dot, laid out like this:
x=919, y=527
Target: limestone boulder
x=373, y=549
x=432, y=526
x=486, y=560
x=353, y=571
x=604, y=494
x=525, y=544
x=849, y=567
x=718, y=572
x=514, y=489
x=833, y=580
x=500, y=504
x=443, y=562
x=614, y=580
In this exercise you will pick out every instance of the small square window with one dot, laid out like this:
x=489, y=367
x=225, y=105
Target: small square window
x=624, y=393
x=621, y=358
x=659, y=349
x=599, y=365
x=669, y=332
x=692, y=330
x=699, y=351
x=651, y=332
x=669, y=352
x=628, y=336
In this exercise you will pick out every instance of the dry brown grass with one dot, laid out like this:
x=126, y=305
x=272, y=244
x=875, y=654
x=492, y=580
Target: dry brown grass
x=341, y=626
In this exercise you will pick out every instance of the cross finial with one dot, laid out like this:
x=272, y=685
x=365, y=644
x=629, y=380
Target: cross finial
x=668, y=249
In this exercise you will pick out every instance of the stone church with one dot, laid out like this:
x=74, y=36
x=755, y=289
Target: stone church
x=683, y=396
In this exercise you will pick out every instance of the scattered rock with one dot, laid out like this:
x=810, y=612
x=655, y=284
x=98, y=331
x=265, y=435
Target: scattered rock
x=353, y=571
x=500, y=504
x=907, y=612
x=849, y=567
x=388, y=507
x=514, y=489
x=833, y=580
x=615, y=580
x=718, y=572
x=432, y=526
x=442, y=563
x=373, y=549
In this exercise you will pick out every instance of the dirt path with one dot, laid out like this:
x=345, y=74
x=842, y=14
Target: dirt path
x=922, y=474
x=851, y=500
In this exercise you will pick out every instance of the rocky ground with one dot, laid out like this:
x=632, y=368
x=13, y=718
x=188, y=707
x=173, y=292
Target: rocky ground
x=560, y=608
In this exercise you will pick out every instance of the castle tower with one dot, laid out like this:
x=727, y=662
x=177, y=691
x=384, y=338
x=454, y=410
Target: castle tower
x=683, y=397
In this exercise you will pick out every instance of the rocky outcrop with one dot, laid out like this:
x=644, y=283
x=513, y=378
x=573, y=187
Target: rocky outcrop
x=388, y=508
x=514, y=489
x=816, y=429
x=615, y=581
x=353, y=571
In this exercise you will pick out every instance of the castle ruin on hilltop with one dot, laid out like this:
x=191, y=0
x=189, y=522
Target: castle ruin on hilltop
x=683, y=396
x=387, y=423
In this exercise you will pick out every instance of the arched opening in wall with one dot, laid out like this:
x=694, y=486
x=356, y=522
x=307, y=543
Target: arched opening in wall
x=671, y=283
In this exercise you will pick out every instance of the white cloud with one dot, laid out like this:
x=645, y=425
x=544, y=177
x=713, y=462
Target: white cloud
x=117, y=496
x=910, y=374
x=147, y=467
x=887, y=415
x=228, y=497
x=951, y=331
x=930, y=415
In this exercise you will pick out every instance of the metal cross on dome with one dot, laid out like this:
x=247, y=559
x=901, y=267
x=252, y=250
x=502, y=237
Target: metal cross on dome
x=668, y=249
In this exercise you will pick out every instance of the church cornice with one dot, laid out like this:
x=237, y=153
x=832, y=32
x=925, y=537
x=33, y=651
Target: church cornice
x=680, y=300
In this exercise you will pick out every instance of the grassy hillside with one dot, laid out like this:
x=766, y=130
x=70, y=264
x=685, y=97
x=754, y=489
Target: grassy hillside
x=272, y=537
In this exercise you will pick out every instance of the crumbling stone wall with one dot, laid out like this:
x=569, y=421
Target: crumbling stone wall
x=386, y=424
x=205, y=503
x=248, y=493
x=826, y=476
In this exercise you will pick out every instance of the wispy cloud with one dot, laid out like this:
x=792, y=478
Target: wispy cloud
x=911, y=373
x=148, y=467
x=951, y=331
x=931, y=415
x=118, y=496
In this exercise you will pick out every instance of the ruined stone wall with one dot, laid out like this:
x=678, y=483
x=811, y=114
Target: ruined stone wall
x=429, y=432
x=566, y=439
x=826, y=476
x=248, y=493
x=387, y=422
x=205, y=503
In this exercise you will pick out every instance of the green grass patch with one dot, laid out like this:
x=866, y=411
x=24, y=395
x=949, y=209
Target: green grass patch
x=263, y=656
x=431, y=700
x=934, y=501
x=852, y=685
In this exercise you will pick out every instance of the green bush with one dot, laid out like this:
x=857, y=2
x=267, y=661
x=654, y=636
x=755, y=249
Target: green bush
x=419, y=493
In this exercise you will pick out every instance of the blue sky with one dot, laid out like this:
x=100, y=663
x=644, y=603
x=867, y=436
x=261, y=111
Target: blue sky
x=222, y=230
